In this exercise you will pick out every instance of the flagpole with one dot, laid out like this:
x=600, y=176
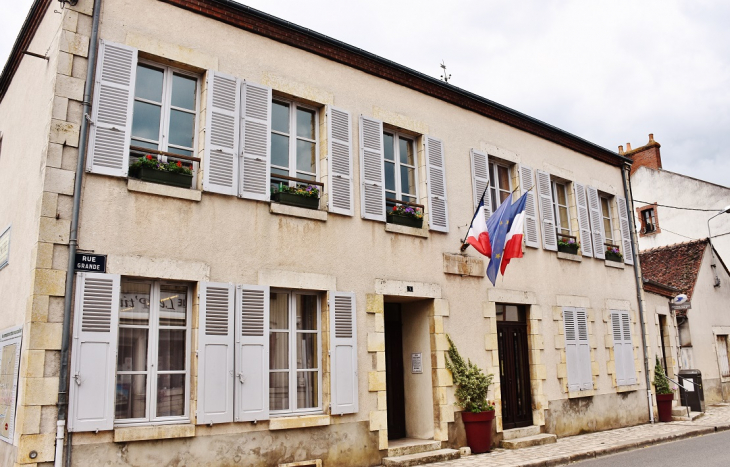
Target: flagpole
x=465, y=245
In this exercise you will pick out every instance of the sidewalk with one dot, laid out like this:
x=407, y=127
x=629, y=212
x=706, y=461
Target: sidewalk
x=576, y=448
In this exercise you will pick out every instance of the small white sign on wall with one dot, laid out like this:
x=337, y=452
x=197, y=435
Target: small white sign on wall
x=688, y=385
x=416, y=363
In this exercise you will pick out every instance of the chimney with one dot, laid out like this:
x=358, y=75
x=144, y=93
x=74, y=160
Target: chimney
x=621, y=150
x=645, y=156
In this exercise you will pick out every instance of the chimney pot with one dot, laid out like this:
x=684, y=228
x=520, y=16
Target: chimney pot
x=651, y=137
x=620, y=149
x=628, y=147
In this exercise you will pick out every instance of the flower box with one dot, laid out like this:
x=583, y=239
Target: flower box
x=614, y=257
x=307, y=202
x=571, y=249
x=408, y=221
x=165, y=178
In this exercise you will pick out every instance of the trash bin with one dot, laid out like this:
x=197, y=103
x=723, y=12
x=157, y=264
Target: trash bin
x=691, y=395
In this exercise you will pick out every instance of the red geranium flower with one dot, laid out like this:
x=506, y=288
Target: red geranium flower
x=179, y=164
x=395, y=208
x=149, y=157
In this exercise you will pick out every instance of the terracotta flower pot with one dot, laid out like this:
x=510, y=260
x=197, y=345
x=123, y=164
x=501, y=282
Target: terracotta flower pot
x=478, y=427
x=664, y=406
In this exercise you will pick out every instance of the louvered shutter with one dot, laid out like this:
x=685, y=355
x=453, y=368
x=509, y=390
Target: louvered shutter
x=372, y=197
x=480, y=181
x=255, y=142
x=252, y=353
x=722, y=356
x=572, y=359
x=220, y=167
x=599, y=236
x=584, y=349
x=94, y=352
x=111, y=117
x=438, y=216
x=549, y=236
x=215, y=353
x=339, y=152
x=584, y=220
x=526, y=182
x=623, y=219
x=343, y=352
x=618, y=348
x=628, y=349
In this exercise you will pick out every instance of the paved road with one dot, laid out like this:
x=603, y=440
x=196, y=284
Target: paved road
x=704, y=451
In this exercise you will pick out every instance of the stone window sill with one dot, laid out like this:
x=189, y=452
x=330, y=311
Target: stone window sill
x=578, y=394
x=163, y=190
x=614, y=264
x=142, y=433
x=570, y=257
x=306, y=421
x=404, y=230
x=628, y=388
x=294, y=211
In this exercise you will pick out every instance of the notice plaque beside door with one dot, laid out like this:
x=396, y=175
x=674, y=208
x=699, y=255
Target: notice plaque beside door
x=416, y=363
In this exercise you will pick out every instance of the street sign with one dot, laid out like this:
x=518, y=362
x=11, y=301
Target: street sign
x=680, y=306
x=90, y=262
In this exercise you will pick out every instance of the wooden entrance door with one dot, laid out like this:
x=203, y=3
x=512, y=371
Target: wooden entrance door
x=514, y=368
x=394, y=372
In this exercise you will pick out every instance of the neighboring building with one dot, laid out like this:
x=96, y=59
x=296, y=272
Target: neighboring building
x=230, y=327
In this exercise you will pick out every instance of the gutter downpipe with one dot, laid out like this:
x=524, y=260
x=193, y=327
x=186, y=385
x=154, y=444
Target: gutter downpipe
x=628, y=193
x=72, y=244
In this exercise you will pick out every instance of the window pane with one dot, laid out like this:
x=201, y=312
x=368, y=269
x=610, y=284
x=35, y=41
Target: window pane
x=148, y=84
x=503, y=196
x=278, y=391
x=406, y=151
x=307, y=390
x=408, y=180
x=493, y=175
x=144, y=144
x=279, y=311
x=182, y=152
x=493, y=197
x=560, y=191
x=132, y=349
x=279, y=150
x=134, y=303
x=280, y=117
x=305, y=123
x=307, y=312
x=183, y=91
x=182, y=128
x=146, y=121
x=170, y=395
x=131, y=399
x=171, y=350
x=279, y=351
x=388, y=147
x=607, y=229
x=564, y=218
x=307, y=350
x=604, y=207
x=305, y=156
x=500, y=312
x=503, y=173
x=389, y=176
x=173, y=305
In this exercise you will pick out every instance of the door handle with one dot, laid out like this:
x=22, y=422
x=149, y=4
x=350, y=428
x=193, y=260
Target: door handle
x=241, y=378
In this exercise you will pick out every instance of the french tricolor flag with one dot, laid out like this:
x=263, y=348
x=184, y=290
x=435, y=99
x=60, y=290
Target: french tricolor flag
x=513, y=241
x=478, y=235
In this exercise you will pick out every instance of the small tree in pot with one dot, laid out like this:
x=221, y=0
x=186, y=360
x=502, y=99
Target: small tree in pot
x=471, y=394
x=664, y=394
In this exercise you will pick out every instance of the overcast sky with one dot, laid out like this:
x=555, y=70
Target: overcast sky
x=608, y=71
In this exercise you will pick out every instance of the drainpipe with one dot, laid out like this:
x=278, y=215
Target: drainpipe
x=72, y=244
x=626, y=178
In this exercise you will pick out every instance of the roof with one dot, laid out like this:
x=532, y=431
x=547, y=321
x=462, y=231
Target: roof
x=257, y=22
x=674, y=266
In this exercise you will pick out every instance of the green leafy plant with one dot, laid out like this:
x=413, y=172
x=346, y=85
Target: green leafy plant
x=308, y=191
x=615, y=251
x=151, y=162
x=661, y=383
x=570, y=243
x=472, y=384
x=407, y=211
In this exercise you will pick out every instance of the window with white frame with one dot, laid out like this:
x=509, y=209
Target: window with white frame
x=294, y=352
x=648, y=221
x=294, y=141
x=399, y=165
x=500, y=184
x=152, y=377
x=607, y=221
x=560, y=207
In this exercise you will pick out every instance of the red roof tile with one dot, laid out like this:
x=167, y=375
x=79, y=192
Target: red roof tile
x=674, y=265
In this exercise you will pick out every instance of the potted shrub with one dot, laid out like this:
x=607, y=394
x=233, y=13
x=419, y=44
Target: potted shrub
x=471, y=394
x=303, y=196
x=613, y=254
x=406, y=215
x=571, y=246
x=151, y=169
x=664, y=394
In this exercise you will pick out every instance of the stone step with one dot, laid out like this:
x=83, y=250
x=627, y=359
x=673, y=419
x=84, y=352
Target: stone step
x=679, y=411
x=515, y=433
x=684, y=418
x=421, y=458
x=528, y=441
x=406, y=446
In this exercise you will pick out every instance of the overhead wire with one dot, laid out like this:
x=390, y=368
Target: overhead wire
x=677, y=207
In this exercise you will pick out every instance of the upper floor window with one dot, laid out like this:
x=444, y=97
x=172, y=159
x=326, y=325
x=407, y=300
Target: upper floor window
x=560, y=207
x=607, y=222
x=648, y=221
x=294, y=139
x=399, y=164
x=500, y=185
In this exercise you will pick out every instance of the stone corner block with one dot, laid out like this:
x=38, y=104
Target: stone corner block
x=43, y=445
x=376, y=342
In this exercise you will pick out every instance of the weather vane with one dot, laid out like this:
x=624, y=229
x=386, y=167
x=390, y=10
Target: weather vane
x=445, y=77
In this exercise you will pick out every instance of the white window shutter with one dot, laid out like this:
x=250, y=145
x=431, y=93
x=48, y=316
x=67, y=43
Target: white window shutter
x=255, y=166
x=584, y=220
x=526, y=182
x=220, y=164
x=721, y=345
x=339, y=152
x=618, y=348
x=343, y=353
x=572, y=359
x=111, y=117
x=596, y=215
x=252, y=353
x=584, y=349
x=94, y=352
x=544, y=189
x=628, y=351
x=480, y=181
x=372, y=197
x=623, y=219
x=438, y=216
x=215, y=353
